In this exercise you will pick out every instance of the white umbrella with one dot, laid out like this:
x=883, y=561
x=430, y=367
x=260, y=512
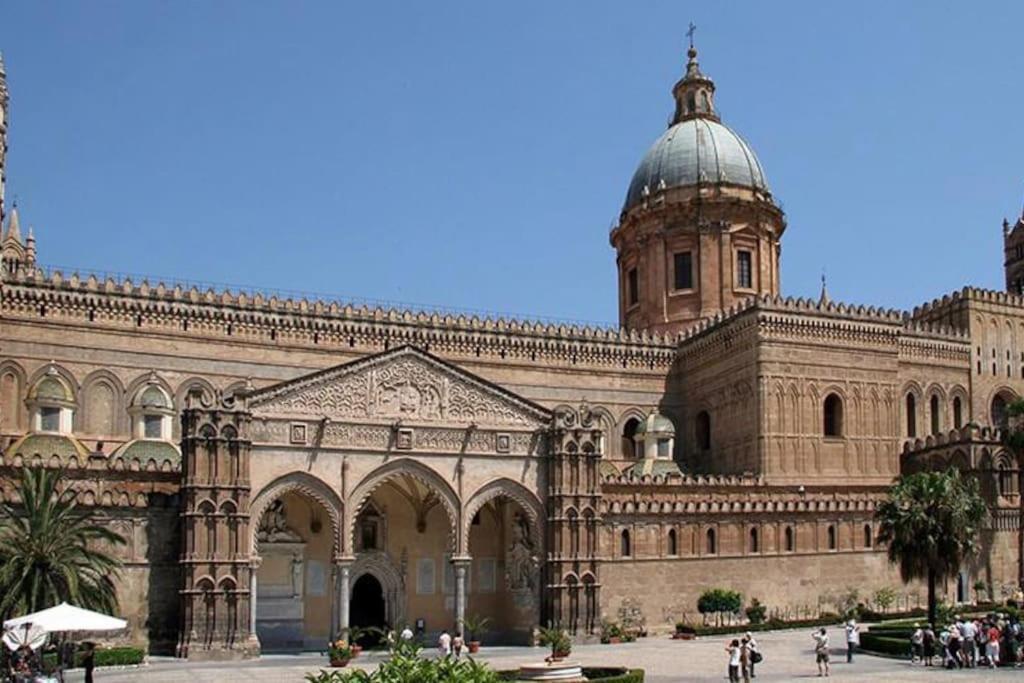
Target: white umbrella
x=29, y=634
x=65, y=617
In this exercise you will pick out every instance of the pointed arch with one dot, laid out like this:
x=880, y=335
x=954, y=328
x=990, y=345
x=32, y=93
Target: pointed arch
x=417, y=470
x=13, y=383
x=513, y=490
x=101, y=412
x=304, y=484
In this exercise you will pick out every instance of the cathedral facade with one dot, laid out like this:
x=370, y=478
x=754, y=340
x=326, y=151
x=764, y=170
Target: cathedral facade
x=283, y=469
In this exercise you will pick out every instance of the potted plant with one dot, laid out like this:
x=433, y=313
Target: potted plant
x=339, y=653
x=559, y=642
x=611, y=633
x=475, y=625
x=684, y=632
x=354, y=634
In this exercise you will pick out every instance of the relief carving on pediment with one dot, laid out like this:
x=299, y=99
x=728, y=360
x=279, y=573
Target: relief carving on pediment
x=407, y=386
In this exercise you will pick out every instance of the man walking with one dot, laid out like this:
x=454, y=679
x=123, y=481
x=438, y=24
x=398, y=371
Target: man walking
x=821, y=651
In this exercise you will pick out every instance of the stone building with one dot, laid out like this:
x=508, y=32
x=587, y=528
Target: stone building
x=284, y=468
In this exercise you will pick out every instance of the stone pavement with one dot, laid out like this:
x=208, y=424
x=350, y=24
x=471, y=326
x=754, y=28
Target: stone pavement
x=788, y=656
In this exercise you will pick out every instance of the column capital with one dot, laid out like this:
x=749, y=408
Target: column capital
x=462, y=560
x=343, y=561
x=255, y=562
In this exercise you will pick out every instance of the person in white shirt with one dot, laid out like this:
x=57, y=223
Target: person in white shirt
x=754, y=652
x=917, y=644
x=852, y=639
x=407, y=634
x=735, y=659
x=444, y=644
x=821, y=651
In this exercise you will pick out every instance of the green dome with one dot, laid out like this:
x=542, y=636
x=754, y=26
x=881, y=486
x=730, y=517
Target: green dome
x=656, y=423
x=149, y=449
x=47, y=445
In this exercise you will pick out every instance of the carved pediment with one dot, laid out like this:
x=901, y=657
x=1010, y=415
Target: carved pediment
x=406, y=384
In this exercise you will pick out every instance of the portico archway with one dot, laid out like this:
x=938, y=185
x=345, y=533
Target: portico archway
x=367, y=607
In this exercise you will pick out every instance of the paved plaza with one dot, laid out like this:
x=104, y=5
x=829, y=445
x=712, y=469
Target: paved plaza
x=788, y=656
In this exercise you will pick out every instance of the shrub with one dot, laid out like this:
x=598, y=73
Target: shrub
x=682, y=627
x=756, y=612
x=885, y=644
x=884, y=598
x=719, y=601
x=595, y=674
x=406, y=664
x=107, y=656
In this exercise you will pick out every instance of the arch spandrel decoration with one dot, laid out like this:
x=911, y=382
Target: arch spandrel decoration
x=512, y=490
x=421, y=473
x=304, y=484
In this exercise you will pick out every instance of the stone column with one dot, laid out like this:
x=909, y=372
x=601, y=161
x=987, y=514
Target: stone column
x=343, y=566
x=461, y=566
x=253, y=641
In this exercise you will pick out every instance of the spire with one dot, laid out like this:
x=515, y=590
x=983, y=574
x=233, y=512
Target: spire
x=695, y=92
x=824, y=299
x=13, y=226
x=30, y=248
x=3, y=135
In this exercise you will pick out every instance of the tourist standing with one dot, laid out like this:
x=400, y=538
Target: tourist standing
x=457, y=645
x=444, y=643
x=821, y=651
x=917, y=644
x=735, y=660
x=929, y=645
x=852, y=639
x=89, y=661
x=406, y=634
x=992, y=646
x=755, y=653
x=968, y=635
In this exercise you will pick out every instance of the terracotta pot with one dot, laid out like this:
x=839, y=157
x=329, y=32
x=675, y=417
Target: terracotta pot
x=560, y=655
x=474, y=646
x=356, y=649
x=614, y=640
x=339, y=662
x=683, y=636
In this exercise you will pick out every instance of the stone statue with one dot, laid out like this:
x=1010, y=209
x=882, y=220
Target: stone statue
x=521, y=560
x=274, y=526
x=296, y=575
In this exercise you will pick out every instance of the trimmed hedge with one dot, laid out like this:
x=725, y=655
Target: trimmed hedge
x=596, y=674
x=885, y=644
x=770, y=625
x=109, y=656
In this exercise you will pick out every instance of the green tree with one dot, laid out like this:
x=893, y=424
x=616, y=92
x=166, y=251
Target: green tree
x=50, y=551
x=930, y=523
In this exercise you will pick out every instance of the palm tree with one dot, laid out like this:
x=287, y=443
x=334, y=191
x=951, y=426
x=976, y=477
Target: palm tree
x=930, y=522
x=51, y=552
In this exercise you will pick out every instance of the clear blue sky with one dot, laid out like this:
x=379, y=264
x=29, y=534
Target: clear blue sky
x=474, y=155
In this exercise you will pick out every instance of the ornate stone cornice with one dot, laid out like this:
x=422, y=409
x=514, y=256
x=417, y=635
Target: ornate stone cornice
x=255, y=318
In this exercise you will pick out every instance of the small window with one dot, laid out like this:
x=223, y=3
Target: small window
x=933, y=406
x=663, y=451
x=958, y=413
x=711, y=546
x=790, y=540
x=703, y=428
x=911, y=416
x=627, y=548
x=868, y=536
x=831, y=537
x=152, y=426
x=632, y=287
x=999, y=414
x=368, y=532
x=1005, y=481
x=683, y=265
x=49, y=419
x=673, y=545
x=744, y=270
x=755, y=545
x=629, y=445
x=833, y=416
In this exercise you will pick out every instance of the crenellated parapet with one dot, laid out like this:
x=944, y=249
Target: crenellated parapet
x=269, y=319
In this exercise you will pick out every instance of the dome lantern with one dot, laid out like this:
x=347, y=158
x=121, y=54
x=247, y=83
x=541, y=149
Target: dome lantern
x=694, y=92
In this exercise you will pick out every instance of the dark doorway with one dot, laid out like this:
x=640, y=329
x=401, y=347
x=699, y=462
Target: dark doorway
x=367, y=608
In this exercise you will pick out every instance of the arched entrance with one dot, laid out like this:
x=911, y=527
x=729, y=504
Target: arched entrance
x=404, y=534
x=367, y=608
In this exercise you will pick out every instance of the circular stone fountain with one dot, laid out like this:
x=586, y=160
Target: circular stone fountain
x=565, y=672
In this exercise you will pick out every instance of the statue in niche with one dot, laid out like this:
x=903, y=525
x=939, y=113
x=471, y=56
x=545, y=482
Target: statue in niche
x=274, y=526
x=296, y=575
x=521, y=561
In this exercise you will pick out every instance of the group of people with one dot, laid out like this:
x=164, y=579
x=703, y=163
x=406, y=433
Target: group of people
x=449, y=645
x=968, y=643
x=743, y=657
x=26, y=665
